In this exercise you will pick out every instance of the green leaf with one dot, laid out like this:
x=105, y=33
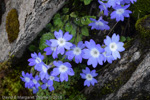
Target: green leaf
x=86, y=20
x=65, y=10
x=73, y=31
x=85, y=31
x=58, y=22
x=128, y=38
x=43, y=39
x=65, y=18
x=73, y=14
x=68, y=27
x=32, y=48
x=86, y=2
x=122, y=39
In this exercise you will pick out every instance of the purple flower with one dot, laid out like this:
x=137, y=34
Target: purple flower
x=35, y=81
x=64, y=69
x=120, y=12
x=42, y=68
x=61, y=41
x=93, y=53
x=27, y=78
x=103, y=7
x=132, y=1
x=76, y=52
x=36, y=59
x=125, y=1
x=35, y=90
x=50, y=49
x=99, y=24
x=108, y=57
x=89, y=76
x=113, y=46
x=47, y=85
x=51, y=78
x=114, y=3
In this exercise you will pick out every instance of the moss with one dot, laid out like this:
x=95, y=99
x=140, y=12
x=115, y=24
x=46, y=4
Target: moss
x=143, y=27
x=12, y=25
x=140, y=8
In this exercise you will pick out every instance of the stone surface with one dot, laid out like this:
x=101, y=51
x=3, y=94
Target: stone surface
x=33, y=15
x=124, y=79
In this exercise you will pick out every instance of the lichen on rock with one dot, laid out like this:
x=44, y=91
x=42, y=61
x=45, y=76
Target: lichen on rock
x=143, y=27
x=12, y=25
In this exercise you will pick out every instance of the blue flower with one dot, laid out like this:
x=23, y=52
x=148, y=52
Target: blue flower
x=76, y=52
x=103, y=7
x=114, y=3
x=89, y=76
x=27, y=78
x=99, y=24
x=108, y=57
x=35, y=80
x=50, y=49
x=120, y=12
x=113, y=46
x=132, y=1
x=125, y=1
x=35, y=90
x=51, y=78
x=93, y=53
x=42, y=68
x=64, y=69
x=36, y=59
x=47, y=85
x=61, y=41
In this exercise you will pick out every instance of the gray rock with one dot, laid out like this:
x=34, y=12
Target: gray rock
x=33, y=15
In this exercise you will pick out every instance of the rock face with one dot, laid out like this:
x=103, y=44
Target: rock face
x=33, y=15
x=127, y=78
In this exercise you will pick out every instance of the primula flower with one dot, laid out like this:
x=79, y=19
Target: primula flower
x=35, y=90
x=51, y=78
x=64, y=69
x=61, y=41
x=42, y=68
x=120, y=12
x=108, y=57
x=27, y=78
x=49, y=50
x=132, y=1
x=103, y=7
x=36, y=59
x=35, y=81
x=76, y=52
x=114, y=3
x=93, y=53
x=99, y=24
x=89, y=76
x=113, y=46
x=125, y=2
x=47, y=85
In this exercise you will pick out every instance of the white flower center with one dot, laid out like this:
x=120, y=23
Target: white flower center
x=38, y=60
x=89, y=77
x=44, y=68
x=53, y=48
x=113, y=46
x=47, y=85
x=27, y=79
x=34, y=81
x=63, y=68
x=52, y=78
x=120, y=11
x=61, y=42
x=94, y=52
x=77, y=51
x=99, y=23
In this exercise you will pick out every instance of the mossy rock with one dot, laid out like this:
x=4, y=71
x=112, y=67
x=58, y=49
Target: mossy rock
x=140, y=8
x=143, y=27
x=12, y=25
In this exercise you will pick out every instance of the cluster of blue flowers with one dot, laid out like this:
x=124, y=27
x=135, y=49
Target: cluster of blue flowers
x=94, y=53
x=120, y=11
